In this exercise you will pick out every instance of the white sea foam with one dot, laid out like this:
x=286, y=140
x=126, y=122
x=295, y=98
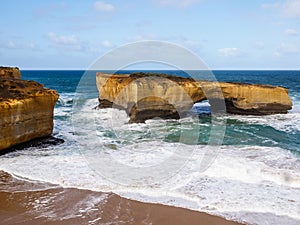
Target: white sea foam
x=246, y=179
x=258, y=185
x=283, y=122
x=63, y=105
x=44, y=207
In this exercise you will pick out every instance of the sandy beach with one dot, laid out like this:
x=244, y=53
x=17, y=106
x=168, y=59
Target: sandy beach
x=27, y=203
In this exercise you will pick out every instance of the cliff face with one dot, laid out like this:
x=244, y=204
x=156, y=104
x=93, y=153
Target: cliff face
x=26, y=110
x=252, y=99
x=144, y=96
x=10, y=72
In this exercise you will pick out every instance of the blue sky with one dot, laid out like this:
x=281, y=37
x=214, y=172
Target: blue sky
x=226, y=34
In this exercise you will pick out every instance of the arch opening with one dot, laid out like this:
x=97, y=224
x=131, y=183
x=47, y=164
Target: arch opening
x=201, y=108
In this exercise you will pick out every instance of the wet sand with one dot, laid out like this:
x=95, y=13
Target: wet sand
x=27, y=203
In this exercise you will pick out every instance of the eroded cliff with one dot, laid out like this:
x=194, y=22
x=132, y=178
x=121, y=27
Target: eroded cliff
x=10, y=72
x=146, y=96
x=26, y=110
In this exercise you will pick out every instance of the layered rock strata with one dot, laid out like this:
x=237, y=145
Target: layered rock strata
x=26, y=109
x=145, y=96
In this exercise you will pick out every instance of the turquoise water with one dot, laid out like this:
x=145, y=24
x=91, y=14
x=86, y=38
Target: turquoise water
x=271, y=132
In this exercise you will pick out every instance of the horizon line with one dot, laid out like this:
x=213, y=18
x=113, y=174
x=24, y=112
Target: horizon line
x=164, y=69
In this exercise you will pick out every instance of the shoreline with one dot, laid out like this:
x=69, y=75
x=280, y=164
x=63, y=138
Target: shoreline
x=22, y=203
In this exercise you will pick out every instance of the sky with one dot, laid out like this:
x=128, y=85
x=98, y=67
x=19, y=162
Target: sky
x=225, y=34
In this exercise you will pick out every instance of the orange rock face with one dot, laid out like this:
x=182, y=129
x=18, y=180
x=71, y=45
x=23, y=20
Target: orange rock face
x=146, y=96
x=9, y=72
x=26, y=111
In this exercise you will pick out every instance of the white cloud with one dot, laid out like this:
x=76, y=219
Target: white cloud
x=62, y=39
x=8, y=45
x=176, y=3
x=270, y=5
x=73, y=43
x=186, y=42
x=229, y=52
x=11, y=44
x=70, y=42
x=287, y=49
x=291, y=8
x=31, y=45
x=291, y=32
x=106, y=44
x=18, y=45
x=103, y=7
x=259, y=44
x=144, y=37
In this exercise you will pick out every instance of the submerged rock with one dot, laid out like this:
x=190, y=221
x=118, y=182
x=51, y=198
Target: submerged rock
x=42, y=142
x=26, y=109
x=145, y=96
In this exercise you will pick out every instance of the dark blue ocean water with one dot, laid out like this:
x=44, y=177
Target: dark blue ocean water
x=67, y=80
x=277, y=130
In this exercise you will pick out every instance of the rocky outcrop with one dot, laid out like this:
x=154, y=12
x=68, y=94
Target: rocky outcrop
x=10, y=72
x=26, y=110
x=145, y=96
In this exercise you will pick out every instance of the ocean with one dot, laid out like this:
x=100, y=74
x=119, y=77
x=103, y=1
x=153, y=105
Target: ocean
x=252, y=176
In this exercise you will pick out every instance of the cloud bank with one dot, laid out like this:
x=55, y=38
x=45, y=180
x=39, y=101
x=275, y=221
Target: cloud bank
x=103, y=6
x=176, y=3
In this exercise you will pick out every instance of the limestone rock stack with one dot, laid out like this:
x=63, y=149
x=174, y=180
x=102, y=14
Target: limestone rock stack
x=145, y=96
x=26, y=109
